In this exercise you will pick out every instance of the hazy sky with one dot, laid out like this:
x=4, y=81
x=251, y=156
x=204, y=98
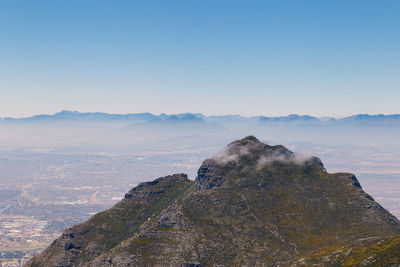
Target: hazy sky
x=270, y=57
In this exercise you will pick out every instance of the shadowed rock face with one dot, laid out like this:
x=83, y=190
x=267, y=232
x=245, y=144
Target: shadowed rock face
x=251, y=204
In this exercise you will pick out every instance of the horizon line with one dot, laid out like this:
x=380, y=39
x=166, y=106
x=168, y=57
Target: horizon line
x=197, y=113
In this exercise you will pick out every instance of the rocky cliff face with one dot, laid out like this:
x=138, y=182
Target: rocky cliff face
x=251, y=205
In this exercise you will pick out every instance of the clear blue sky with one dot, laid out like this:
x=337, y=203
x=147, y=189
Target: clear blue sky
x=270, y=57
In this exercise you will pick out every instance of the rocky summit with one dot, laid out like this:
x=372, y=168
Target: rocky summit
x=250, y=205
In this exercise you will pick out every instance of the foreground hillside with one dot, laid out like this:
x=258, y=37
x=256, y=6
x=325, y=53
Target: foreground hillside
x=252, y=204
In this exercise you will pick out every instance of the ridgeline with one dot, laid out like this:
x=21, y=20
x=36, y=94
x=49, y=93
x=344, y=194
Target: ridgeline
x=250, y=205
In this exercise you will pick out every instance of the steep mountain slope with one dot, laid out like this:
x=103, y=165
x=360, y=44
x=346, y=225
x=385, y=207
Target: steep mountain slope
x=252, y=204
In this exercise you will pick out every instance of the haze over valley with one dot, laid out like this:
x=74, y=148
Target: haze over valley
x=57, y=170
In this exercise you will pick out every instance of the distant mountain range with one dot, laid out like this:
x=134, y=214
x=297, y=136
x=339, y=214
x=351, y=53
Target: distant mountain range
x=65, y=115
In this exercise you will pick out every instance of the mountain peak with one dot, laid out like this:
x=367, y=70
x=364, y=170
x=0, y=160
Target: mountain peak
x=252, y=157
x=251, y=205
x=252, y=151
x=246, y=140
